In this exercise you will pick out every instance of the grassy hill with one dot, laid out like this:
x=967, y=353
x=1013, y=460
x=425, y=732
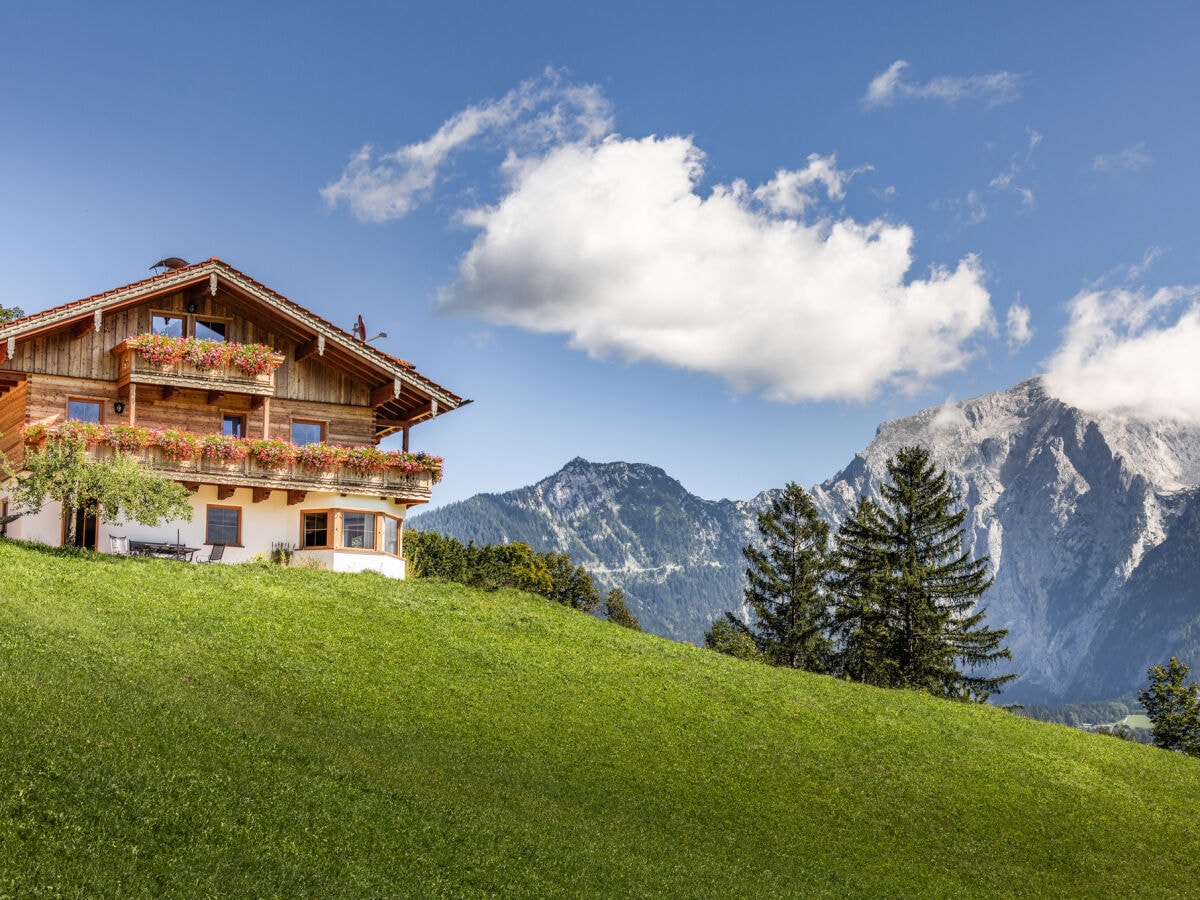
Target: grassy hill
x=246, y=731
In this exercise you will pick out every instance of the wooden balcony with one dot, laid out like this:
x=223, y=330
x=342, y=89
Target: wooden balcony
x=409, y=488
x=228, y=379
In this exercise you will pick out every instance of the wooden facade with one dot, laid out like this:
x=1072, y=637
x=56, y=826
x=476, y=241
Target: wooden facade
x=354, y=392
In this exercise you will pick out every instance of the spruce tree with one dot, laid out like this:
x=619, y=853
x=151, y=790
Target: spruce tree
x=1173, y=707
x=786, y=573
x=907, y=592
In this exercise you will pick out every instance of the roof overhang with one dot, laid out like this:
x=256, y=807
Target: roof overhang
x=399, y=393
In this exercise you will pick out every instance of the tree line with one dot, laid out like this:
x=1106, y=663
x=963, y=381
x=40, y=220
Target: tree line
x=514, y=565
x=890, y=599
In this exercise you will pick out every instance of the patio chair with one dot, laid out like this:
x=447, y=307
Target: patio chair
x=214, y=555
x=118, y=545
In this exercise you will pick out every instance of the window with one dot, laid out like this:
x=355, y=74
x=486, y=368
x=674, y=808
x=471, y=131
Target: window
x=171, y=326
x=3, y=518
x=347, y=529
x=358, y=531
x=209, y=330
x=84, y=410
x=316, y=530
x=391, y=535
x=233, y=425
x=223, y=525
x=307, y=432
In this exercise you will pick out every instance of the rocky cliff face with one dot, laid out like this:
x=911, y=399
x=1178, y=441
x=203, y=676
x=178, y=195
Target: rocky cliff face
x=678, y=557
x=1078, y=514
x=1092, y=525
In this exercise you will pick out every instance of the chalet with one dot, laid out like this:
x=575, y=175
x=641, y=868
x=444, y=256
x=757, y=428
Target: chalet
x=269, y=415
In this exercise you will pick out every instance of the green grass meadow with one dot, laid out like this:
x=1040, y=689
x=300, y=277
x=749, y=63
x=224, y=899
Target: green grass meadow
x=251, y=731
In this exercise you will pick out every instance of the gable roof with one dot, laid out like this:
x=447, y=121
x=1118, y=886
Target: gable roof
x=400, y=394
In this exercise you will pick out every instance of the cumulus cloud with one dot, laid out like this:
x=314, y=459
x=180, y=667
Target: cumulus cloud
x=892, y=85
x=1017, y=326
x=1133, y=352
x=1131, y=159
x=613, y=245
x=611, y=241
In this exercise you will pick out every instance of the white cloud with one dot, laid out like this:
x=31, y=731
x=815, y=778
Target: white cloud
x=609, y=240
x=890, y=85
x=790, y=191
x=949, y=417
x=1007, y=180
x=1017, y=326
x=1131, y=159
x=540, y=112
x=612, y=244
x=1133, y=352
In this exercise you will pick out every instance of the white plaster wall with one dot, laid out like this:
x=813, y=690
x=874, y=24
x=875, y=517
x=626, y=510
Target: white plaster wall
x=263, y=524
x=45, y=527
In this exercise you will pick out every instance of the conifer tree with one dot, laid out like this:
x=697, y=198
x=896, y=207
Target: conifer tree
x=1173, y=707
x=616, y=610
x=906, y=591
x=786, y=573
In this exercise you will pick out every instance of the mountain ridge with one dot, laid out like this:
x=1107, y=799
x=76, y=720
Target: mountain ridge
x=1089, y=520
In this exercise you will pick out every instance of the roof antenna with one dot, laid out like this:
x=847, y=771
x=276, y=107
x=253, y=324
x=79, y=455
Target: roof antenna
x=360, y=332
x=170, y=263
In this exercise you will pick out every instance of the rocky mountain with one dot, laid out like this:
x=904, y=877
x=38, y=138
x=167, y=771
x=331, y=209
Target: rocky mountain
x=1091, y=523
x=677, y=557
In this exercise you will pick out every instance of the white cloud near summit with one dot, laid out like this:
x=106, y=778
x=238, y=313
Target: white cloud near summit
x=1131, y=352
x=892, y=85
x=611, y=241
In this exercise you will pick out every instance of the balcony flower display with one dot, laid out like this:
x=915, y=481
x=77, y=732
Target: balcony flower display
x=223, y=447
x=255, y=359
x=175, y=444
x=205, y=355
x=158, y=349
x=127, y=438
x=87, y=433
x=180, y=446
x=319, y=457
x=366, y=459
x=272, y=454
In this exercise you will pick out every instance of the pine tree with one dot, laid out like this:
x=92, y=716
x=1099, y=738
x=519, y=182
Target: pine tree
x=786, y=572
x=907, y=592
x=616, y=610
x=1173, y=707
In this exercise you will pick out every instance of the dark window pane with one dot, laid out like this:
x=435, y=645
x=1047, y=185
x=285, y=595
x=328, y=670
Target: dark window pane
x=172, y=326
x=391, y=535
x=222, y=525
x=307, y=433
x=233, y=426
x=358, y=531
x=84, y=410
x=211, y=331
x=316, y=529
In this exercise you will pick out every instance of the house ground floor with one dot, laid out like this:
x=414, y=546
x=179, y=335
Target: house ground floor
x=342, y=533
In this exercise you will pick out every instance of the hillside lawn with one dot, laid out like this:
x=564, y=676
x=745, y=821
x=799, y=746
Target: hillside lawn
x=254, y=731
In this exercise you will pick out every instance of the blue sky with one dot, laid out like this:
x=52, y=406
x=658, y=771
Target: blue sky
x=725, y=240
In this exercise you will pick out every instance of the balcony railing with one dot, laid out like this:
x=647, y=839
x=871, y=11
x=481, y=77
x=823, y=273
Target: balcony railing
x=392, y=483
x=229, y=379
x=413, y=487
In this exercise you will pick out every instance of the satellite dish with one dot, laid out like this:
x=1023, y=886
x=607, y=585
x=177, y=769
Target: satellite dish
x=170, y=263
